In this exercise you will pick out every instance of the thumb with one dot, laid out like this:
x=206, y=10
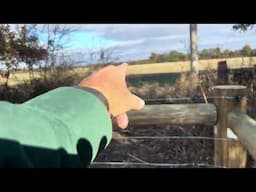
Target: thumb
x=122, y=120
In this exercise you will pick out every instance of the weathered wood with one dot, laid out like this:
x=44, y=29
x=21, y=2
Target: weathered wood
x=174, y=114
x=236, y=151
x=225, y=152
x=194, y=48
x=245, y=128
x=222, y=73
x=220, y=130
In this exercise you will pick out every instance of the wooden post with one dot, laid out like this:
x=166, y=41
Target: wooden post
x=222, y=73
x=228, y=153
x=194, y=48
x=194, y=56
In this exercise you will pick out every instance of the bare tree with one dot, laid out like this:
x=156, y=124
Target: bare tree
x=100, y=58
x=107, y=56
x=57, y=39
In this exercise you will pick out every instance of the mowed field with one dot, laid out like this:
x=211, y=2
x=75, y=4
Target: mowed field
x=153, y=68
x=177, y=67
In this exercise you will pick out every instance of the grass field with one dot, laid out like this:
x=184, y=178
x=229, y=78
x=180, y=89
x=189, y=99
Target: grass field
x=154, y=68
x=177, y=67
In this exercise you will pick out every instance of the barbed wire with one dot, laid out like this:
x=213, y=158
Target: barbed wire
x=194, y=98
x=166, y=165
x=176, y=164
x=174, y=138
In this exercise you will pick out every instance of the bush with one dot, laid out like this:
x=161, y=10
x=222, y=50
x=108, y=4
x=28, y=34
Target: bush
x=61, y=76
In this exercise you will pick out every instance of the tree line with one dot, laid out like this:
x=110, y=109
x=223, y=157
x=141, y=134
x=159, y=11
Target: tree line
x=211, y=53
x=24, y=44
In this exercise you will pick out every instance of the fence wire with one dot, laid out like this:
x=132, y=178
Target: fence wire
x=164, y=165
x=176, y=137
x=195, y=98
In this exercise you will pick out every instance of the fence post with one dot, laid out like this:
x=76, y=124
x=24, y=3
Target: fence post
x=222, y=73
x=228, y=153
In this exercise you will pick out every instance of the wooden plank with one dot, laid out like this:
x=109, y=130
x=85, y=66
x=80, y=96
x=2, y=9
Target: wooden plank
x=237, y=153
x=174, y=114
x=245, y=128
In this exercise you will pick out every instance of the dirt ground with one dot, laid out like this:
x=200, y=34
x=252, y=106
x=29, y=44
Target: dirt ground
x=184, y=153
x=171, y=151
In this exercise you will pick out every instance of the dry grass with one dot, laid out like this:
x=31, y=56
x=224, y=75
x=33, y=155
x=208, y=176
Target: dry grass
x=154, y=68
x=176, y=67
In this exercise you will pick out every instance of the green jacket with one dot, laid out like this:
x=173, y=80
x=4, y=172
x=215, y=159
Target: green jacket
x=65, y=127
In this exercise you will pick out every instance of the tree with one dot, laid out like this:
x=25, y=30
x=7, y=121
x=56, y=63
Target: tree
x=28, y=48
x=56, y=40
x=106, y=56
x=153, y=57
x=19, y=46
x=211, y=53
x=226, y=53
x=8, y=53
x=217, y=52
x=175, y=56
x=247, y=50
x=243, y=27
x=162, y=58
x=204, y=54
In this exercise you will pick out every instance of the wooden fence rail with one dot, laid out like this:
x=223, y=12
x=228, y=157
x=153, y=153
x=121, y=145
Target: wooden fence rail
x=245, y=128
x=224, y=114
x=204, y=114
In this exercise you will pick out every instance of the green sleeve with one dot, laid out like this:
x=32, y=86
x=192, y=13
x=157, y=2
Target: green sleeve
x=65, y=127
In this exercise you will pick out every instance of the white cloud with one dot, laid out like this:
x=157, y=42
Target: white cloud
x=124, y=32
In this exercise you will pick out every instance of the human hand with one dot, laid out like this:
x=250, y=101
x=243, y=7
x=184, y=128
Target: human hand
x=110, y=81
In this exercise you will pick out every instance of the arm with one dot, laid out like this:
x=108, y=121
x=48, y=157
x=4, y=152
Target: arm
x=65, y=127
x=68, y=126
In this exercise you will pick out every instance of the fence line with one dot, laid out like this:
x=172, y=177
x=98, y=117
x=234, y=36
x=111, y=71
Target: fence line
x=195, y=98
x=174, y=137
x=170, y=165
x=179, y=165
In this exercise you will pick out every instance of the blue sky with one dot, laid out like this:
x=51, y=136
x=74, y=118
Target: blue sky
x=137, y=41
x=81, y=39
